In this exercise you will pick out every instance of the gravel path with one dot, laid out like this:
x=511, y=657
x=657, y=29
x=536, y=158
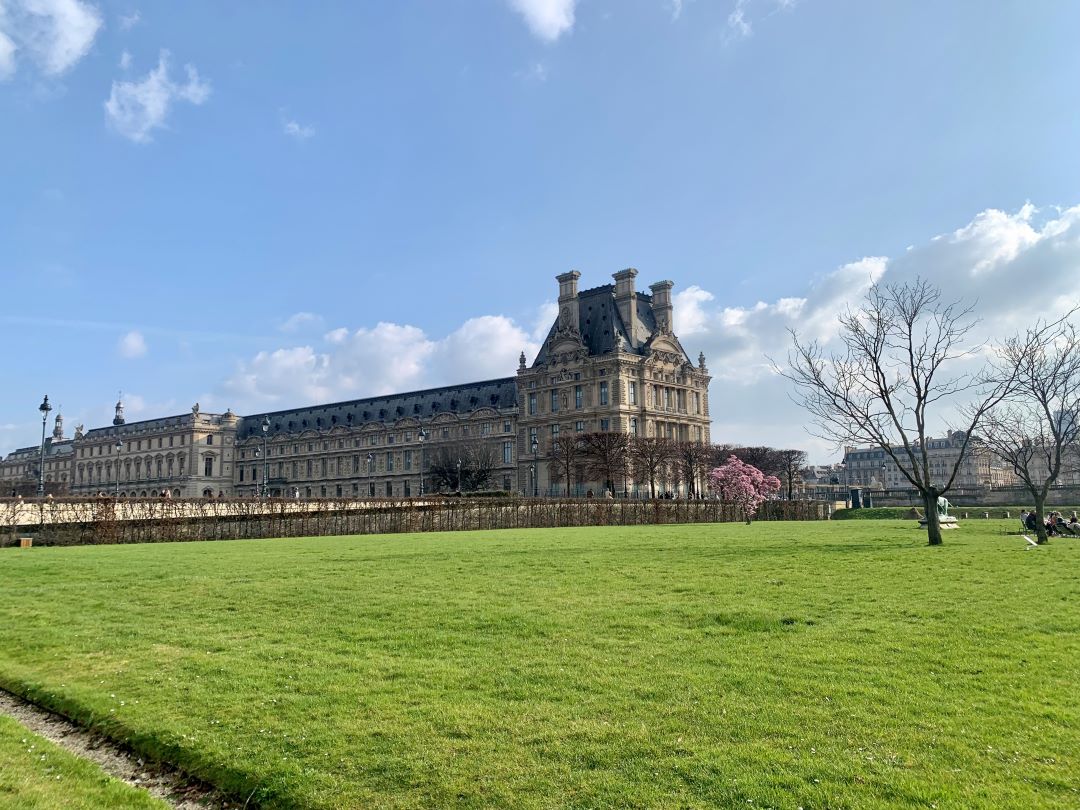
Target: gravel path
x=161, y=781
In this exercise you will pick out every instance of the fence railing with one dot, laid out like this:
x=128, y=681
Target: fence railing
x=108, y=520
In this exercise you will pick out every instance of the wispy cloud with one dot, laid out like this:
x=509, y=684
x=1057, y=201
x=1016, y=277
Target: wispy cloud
x=547, y=19
x=135, y=109
x=132, y=345
x=54, y=34
x=300, y=321
x=301, y=132
x=129, y=21
x=537, y=72
x=739, y=26
x=125, y=60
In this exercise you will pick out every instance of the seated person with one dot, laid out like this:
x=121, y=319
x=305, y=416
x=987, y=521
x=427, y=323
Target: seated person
x=1031, y=521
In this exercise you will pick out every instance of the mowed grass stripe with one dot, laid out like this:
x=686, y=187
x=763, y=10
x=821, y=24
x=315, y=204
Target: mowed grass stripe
x=841, y=665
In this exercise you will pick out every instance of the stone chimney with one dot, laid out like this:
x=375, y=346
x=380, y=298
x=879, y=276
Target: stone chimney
x=626, y=301
x=661, y=304
x=568, y=301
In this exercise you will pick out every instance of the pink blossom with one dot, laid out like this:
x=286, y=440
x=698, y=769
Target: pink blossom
x=742, y=484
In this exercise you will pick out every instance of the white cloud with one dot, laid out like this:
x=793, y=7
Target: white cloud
x=738, y=25
x=993, y=262
x=546, y=314
x=336, y=335
x=536, y=73
x=299, y=131
x=134, y=109
x=383, y=359
x=301, y=320
x=132, y=345
x=7, y=53
x=547, y=19
x=125, y=60
x=129, y=21
x=54, y=34
x=676, y=9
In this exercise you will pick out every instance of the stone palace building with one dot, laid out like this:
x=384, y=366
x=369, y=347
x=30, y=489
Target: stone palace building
x=610, y=362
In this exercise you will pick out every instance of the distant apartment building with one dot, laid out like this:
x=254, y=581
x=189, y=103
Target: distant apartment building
x=872, y=467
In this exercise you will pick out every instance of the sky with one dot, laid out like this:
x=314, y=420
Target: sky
x=266, y=205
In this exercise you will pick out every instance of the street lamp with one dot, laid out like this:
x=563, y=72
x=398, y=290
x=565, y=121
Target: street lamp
x=535, y=445
x=119, y=448
x=266, y=458
x=459, y=476
x=421, y=437
x=44, y=407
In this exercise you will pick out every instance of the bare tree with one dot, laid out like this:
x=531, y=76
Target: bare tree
x=896, y=367
x=649, y=456
x=463, y=466
x=606, y=457
x=791, y=463
x=1036, y=430
x=565, y=455
x=692, y=459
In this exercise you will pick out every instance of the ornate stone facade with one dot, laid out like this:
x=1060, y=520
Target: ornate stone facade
x=611, y=362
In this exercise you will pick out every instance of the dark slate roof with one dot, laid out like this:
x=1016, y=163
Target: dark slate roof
x=145, y=424
x=462, y=399
x=600, y=322
x=61, y=448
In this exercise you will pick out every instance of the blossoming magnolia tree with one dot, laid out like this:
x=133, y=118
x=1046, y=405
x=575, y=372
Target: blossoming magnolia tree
x=742, y=484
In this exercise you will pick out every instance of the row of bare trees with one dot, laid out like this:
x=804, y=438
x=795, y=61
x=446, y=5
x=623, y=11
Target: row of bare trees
x=612, y=459
x=907, y=363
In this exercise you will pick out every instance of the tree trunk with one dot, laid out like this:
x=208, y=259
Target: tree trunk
x=652, y=487
x=933, y=525
x=1040, y=522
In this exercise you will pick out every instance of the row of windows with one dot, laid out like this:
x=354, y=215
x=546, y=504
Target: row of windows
x=376, y=439
x=372, y=489
x=134, y=471
x=341, y=465
x=137, y=445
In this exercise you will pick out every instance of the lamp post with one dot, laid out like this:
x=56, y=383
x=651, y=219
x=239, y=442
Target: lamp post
x=534, y=446
x=459, y=476
x=44, y=407
x=421, y=437
x=370, y=470
x=266, y=459
x=119, y=448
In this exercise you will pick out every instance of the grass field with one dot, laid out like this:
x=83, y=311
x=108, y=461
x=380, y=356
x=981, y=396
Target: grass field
x=773, y=665
x=37, y=775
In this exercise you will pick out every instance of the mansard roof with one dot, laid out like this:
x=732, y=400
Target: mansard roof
x=602, y=326
x=462, y=399
x=52, y=448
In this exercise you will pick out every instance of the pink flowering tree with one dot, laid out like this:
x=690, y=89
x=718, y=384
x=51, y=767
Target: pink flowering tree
x=742, y=484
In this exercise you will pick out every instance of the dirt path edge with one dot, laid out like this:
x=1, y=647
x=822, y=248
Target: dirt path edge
x=161, y=780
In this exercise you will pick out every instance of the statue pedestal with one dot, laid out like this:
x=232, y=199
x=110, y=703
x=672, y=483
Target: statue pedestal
x=945, y=521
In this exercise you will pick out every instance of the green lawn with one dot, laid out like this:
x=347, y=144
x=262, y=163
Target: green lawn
x=37, y=775
x=773, y=665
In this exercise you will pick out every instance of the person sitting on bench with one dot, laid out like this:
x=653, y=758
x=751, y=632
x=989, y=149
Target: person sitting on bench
x=1031, y=522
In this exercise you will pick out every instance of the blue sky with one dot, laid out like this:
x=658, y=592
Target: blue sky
x=264, y=205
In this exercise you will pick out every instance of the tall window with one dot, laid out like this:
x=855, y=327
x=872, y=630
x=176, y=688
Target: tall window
x=579, y=426
x=632, y=393
x=389, y=465
x=389, y=490
x=508, y=452
x=554, y=400
x=554, y=431
x=208, y=467
x=604, y=393
x=633, y=426
x=209, y=440
x=605, y=425
x=407, y=460
x=532, y=404
x=697, y=402
x=532, y=437
x=579, y=398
